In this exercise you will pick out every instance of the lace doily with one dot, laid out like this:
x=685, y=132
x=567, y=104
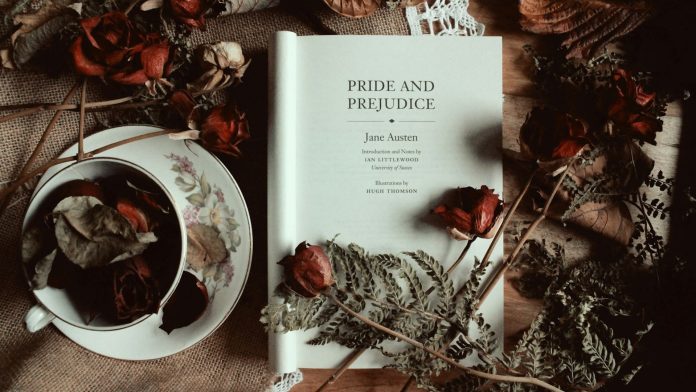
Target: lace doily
x=442, y=17
x=286, y=382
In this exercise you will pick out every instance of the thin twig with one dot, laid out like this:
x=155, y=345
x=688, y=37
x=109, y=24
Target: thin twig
x=417, y=344
x=515, y=252
x=131, y=6
x=97, y=106
x=21, y=113
x=81, y=130
x=39, y=146
x=344, y=366
x=39, y=106
x=7, y=192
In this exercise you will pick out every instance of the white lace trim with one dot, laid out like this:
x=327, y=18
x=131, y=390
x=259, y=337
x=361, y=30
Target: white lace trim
x=286, y=382
x=443, y=17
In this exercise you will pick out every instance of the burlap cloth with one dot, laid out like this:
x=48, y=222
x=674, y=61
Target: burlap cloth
x=234, y=357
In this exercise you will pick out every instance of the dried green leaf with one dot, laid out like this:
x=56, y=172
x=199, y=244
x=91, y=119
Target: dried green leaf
x=91, y=234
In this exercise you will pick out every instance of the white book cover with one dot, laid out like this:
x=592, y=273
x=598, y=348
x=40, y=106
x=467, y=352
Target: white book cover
x=366, y=134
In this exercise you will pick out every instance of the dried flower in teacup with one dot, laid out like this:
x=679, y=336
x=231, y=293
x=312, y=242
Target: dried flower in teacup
x=221, y=64
x=478, y=214
x=220, y=129
x=188, y=12
x=627, y=106
x=112, y=48
x=548, y=134
x=134, y=290
x=308, y=272
x=189, y=301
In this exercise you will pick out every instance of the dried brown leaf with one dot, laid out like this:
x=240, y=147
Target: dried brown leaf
x=91, y=234
x=586, y=25
x=205, y=247
x=354, y=8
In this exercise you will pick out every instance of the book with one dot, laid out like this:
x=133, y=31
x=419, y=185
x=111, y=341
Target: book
x=366, y=134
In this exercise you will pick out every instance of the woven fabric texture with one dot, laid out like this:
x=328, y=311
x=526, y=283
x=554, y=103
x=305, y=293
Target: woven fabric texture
x=234, y=357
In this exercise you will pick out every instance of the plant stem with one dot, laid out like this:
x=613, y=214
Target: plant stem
x=81, y=130
x=353, y=356
x=500, y=272
x=39, y=146
x=415, y=343
x=131, y=6
x=7, y=192
x=97, y=106
x=506, y=220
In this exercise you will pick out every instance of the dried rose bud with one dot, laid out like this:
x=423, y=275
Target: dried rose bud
x=135, y=292
x=221, y=64
x=627, y=105
x=223, y=129
x=548, y=134
x=308, y=272
x=478, y=214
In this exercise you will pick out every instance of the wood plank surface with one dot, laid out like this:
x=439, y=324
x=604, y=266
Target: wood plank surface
x=500, y=18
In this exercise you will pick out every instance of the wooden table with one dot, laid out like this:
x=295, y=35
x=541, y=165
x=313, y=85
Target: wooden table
x=501, y=18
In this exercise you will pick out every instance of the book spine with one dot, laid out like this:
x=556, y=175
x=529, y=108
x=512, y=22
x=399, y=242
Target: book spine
x=282, y=205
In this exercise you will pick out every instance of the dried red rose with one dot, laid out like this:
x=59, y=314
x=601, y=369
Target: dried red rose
x=308, y=272
x=223, y=129
x=135, y=292
x=548, y=134
x=189, y=12
x=627, y=106
x=478, y=214
x=112, y=48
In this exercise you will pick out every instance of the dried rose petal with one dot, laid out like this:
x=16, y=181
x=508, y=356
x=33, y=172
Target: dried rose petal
x=189, y=12
x=133, y=214
x=186, y=305
x=308, y=272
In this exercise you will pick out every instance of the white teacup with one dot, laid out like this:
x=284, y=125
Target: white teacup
x=57, y=303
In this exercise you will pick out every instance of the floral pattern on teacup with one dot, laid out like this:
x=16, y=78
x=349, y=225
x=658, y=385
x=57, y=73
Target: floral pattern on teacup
x=210, y=223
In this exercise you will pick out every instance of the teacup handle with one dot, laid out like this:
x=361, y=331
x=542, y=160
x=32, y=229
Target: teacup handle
x=38, y=317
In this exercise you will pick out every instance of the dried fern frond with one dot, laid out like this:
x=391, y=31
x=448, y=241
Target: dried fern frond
x=586, y=25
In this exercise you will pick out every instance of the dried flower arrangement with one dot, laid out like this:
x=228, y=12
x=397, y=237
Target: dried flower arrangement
x=589, y=169
x=142, y=52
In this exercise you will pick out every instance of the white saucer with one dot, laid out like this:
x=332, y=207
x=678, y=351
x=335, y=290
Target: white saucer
x=202, y=189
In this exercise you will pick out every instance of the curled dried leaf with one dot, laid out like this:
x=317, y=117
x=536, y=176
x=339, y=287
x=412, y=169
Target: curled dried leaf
x=354, y=8
x=205, y=247
x=586, y=25
x=241, y=6
x=91, y=234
